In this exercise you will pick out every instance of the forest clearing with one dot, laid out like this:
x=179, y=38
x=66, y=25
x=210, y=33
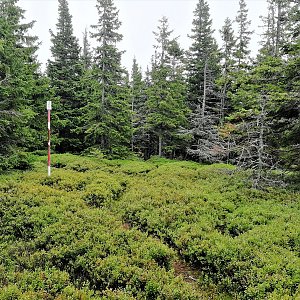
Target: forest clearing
x=160, y=229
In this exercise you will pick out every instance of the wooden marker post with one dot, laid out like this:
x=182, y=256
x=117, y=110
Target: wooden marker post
x=49, y=107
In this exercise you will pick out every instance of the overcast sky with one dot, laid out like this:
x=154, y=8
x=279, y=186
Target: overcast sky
x=139, y=19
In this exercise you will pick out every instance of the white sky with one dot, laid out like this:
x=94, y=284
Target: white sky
x=139, y=19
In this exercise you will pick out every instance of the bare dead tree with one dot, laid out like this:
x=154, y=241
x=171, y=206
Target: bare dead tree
x=253, y=150
x=207, y=145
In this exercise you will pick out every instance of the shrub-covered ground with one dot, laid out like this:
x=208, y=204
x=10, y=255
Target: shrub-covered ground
x=99, y=229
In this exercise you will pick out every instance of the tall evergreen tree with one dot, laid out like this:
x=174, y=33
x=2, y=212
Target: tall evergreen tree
x=256, y=102
x=242, y=52
x=138, y=108
x=281, y=40
x=21, y=88
x=288, y=115
x=65, y=70
x=228, y=46
x=269, y=35
x=276, y=26
x=203, y=70
x=294, y=22
x=202, y=55
x=228, y=62
x=87, y=56
x=166, y=108
x=110, y=121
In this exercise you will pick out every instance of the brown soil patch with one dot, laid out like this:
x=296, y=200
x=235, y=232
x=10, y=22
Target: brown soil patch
x=126, y=226
x=183, y=269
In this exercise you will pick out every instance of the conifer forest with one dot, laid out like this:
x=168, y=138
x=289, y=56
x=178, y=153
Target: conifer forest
x=181, y=181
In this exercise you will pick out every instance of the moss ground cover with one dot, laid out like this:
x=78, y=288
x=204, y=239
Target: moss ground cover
x=100, y=229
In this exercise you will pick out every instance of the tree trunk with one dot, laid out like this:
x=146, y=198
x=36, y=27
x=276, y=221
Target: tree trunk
x=222, y=109
x=204, y=89
x=261, y=146
x=278, y=29
x=160, y=145
x=103, y=88
x=132, y=116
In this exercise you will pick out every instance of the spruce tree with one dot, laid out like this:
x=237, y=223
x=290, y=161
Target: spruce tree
x=282, y=24
x=242, y=52
x=228, y=62
x=281, y=40
x=166, y=108
x=294, y=23
x=138, y=109
x=65, y=71
x=202, y=55
x=269, y=35
x=87, y=56
x=255, y=102
x=110, y=121
x=22, y=90
x=288, y=115
x=276, y=26
x=203, y=70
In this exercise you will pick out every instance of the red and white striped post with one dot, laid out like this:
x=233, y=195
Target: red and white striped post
x=49, y=107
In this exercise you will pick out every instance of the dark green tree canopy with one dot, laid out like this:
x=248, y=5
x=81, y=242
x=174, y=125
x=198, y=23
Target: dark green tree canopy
x=18, y=78
x=87, y=56
x=110, y=121
x=244, y=35
x=166, y=107
x=65, y=52
x=65, y=70
x=203, y=52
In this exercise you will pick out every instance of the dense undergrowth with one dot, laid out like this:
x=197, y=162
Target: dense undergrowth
x=99, y=229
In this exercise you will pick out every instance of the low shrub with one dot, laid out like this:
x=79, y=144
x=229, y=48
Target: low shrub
x=112, y=229
x=18, y=161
